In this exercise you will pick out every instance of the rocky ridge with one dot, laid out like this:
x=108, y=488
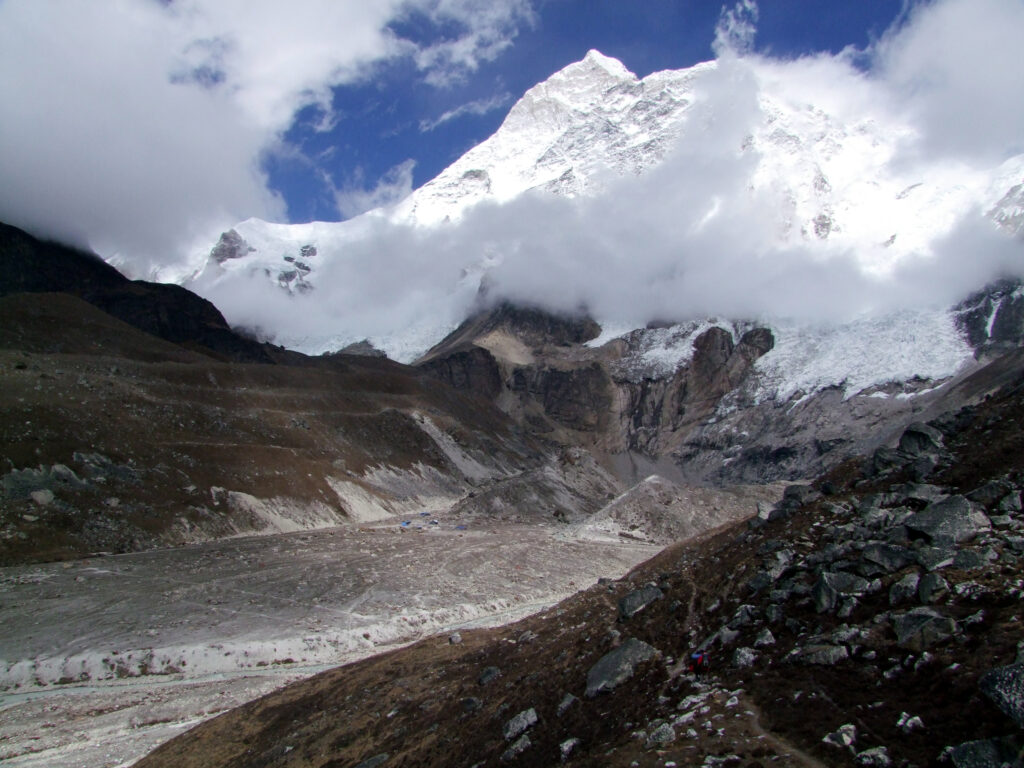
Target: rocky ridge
x=688, y=401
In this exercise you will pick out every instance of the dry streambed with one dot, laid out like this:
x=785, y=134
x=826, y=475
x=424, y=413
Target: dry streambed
x=103, y=659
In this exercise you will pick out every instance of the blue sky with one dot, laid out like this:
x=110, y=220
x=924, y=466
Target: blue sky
x=388, y=120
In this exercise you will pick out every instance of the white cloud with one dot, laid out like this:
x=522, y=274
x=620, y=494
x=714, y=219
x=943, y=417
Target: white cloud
x=488, y=27
x=736, y=29
x=395, y=185
x=696, y=236
x=477, y=107
x=957, y=66
x=138, y=127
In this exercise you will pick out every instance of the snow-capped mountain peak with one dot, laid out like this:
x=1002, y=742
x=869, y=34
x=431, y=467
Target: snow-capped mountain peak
x=824, y=181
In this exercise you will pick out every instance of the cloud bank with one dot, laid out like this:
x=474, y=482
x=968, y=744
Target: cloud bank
x=138, y=127
x=695, y=236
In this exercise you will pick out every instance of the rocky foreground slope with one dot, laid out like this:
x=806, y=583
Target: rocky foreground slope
x=872, y=617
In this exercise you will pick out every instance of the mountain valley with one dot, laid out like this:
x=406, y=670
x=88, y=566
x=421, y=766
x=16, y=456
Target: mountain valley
x=276, y=512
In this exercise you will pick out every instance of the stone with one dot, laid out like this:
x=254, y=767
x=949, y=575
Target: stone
x=904, y=590
x=844, y=737
x=972, y=559
x=831, y=585
x=936, y=558
x=1005, y=686
x=744, y=616
x=908, y=723
x=661, y=736
x=488, y=674
x=953, y=520
x=826, y=655
x=919, y=493
x=987, y=753
x=764, y=639
x=744, y=657
x=519, y=724
x=878, y=757
x=921, y=628
x=566, y=747
x=1010, y=503
x=374, y=761
x=454, y=639
x=990, y=493
x=796, y=496
x=517, y=748
x=618, y=666
x=888, y=556
x=634, y=602
x=43, y=498
x=920, y=439
x=567, y=701
x=931, y=588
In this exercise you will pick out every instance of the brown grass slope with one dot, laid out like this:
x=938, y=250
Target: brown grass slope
x=127, y=428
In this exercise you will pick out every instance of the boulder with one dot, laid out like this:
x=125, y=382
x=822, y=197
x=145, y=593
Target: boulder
x=661, y=736
x=831, y=585
x=991, y=493
x=889, y=557
x=744, y=657
x=826, y=655
x=517, y=748
x=878, y=757
x=567, y=701
x=988, y=753
x=931, y=588
x=921, y=628
x=488, y=674
x=618, y=666
x=844, y=737
x=520, y=723
x=952, y=520
x=972, y=559
x=634, y=602
x=904, y=590
x=1005, y=686
x=935, y=558
x=566, y=747
x=920, y=439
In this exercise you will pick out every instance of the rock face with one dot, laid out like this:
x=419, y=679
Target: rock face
x=536, y=367
x=685, y=401
x=168, y=312
x=230, y=246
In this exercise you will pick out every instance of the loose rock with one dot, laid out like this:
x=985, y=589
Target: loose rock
x=520, y=723
x=618, y=666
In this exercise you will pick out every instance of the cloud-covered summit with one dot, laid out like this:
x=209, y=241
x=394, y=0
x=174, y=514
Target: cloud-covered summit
x=815, y=188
